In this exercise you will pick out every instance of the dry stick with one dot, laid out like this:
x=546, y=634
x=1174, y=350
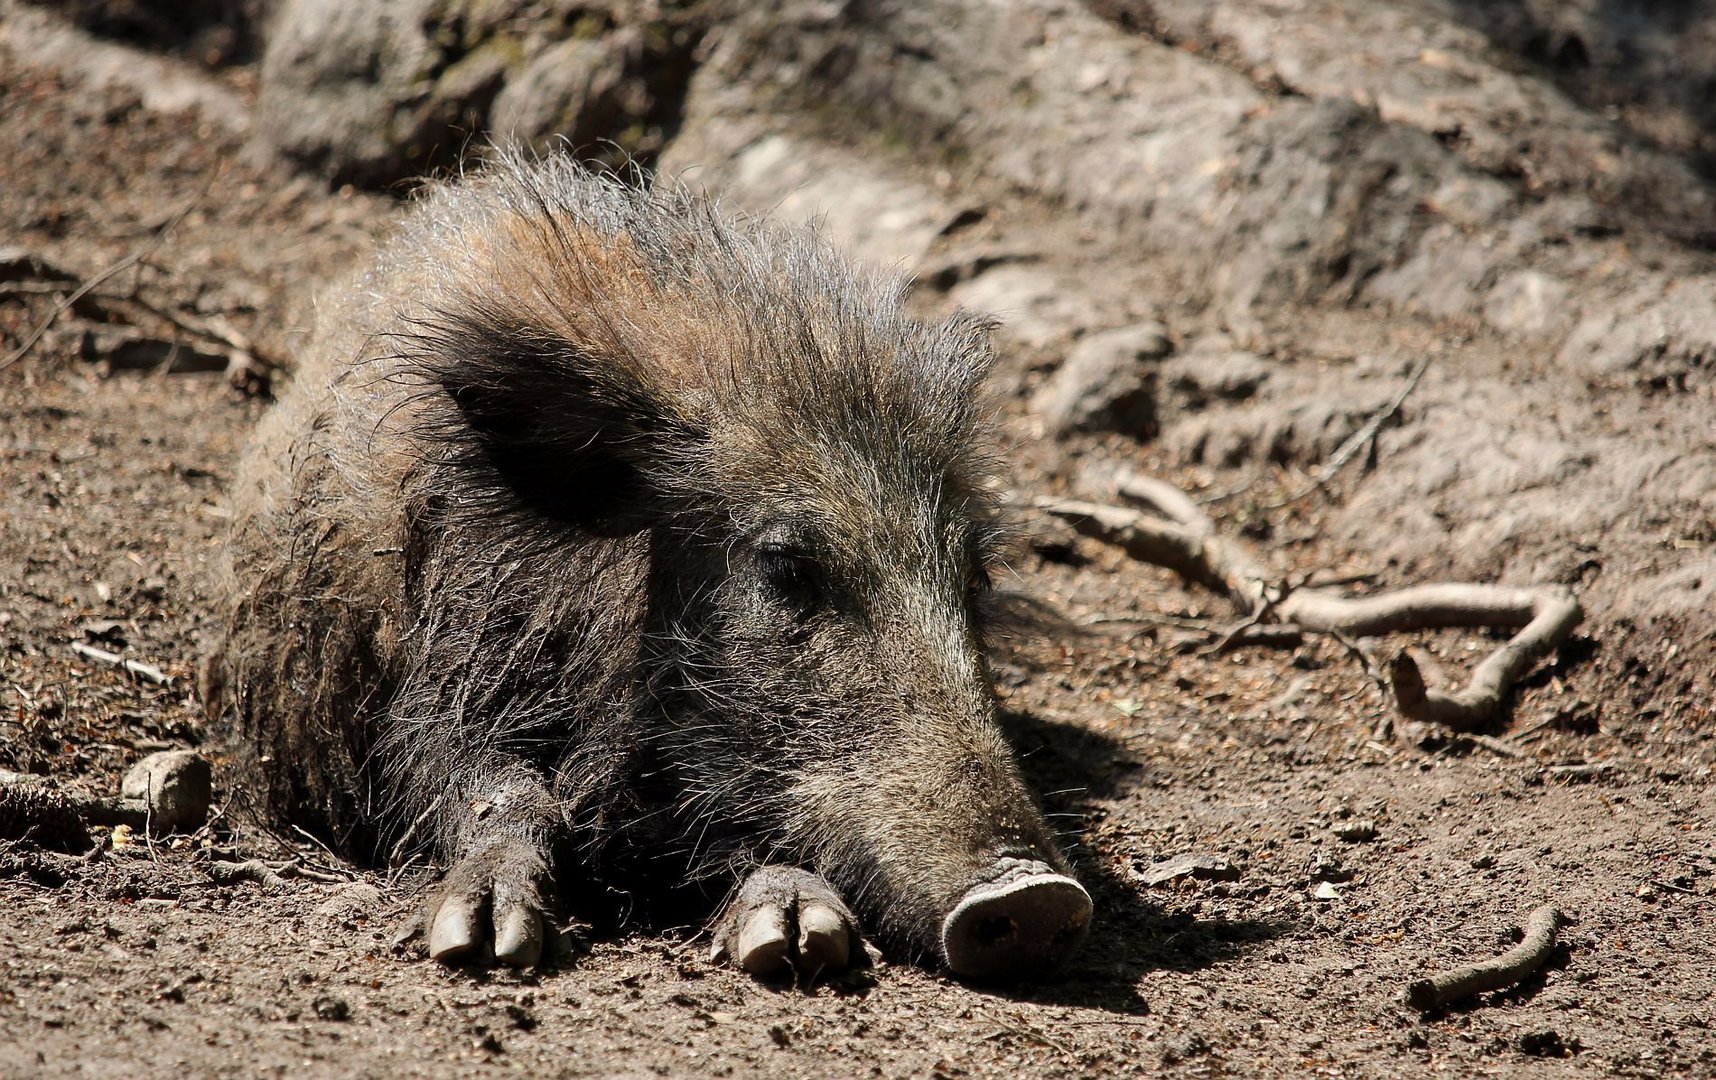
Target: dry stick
x=1495, y=746
x=1357, y=439
x=1524, y=959
x=242, y=357
x=134, y=667
x=1181, y=537
x=227, y=873
x=83, y=290
x=1344, y=453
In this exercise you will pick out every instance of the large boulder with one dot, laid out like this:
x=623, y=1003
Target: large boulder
x=370, y=92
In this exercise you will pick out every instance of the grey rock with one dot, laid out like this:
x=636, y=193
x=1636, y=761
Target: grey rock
x=871, y=212
x=335, y=83
x=176, y=785
x=164, y=84
x=1108, y=382
x=578, y=90
x=1201, y=377
x=373, y=93
x=1034, y=308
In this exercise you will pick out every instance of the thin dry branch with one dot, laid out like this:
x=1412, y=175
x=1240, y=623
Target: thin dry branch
x=1366, y=434
x=269, y=874
x=91, y=284
x=243, y=362
x=148, y=672
x=1179, y=535
x=1498, y=973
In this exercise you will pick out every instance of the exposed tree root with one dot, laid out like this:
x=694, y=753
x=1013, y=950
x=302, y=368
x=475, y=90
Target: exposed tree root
x=1519, y=962
x=1174, y=532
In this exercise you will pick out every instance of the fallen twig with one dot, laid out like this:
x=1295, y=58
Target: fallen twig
x=1589, y=770
x=1499, y=747
x=1180, y=536
x=1519, y=962
x=135, y=667
x=1549, y=616
x=243, y=362
x=245, y=365
x=1365, y=434
x=269, y=874
x=91, y=284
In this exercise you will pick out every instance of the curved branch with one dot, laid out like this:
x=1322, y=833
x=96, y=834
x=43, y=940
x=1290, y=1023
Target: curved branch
x=1497, y=973
x=1180, y=536
x=1552, y=616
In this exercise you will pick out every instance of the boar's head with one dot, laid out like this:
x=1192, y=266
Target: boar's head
x=805, y=464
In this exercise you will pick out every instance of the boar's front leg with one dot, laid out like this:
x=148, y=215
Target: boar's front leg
x=492, y=903
x=785, y=918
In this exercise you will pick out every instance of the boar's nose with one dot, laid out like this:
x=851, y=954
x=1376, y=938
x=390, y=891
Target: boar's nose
x=1024, y=921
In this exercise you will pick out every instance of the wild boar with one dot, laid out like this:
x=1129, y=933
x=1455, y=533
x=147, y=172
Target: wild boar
x=598, y=525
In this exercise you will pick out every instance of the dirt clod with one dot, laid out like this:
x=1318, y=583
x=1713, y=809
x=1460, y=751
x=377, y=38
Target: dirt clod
x=1549, y=1043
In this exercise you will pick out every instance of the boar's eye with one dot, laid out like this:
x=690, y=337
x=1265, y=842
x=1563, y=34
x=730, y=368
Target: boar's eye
x=790, y=572
x=981, y=580
x=980, y=546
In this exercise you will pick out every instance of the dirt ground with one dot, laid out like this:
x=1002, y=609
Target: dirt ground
x=1353, y=859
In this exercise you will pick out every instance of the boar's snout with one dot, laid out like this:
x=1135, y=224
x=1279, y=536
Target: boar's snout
x=1027, y=918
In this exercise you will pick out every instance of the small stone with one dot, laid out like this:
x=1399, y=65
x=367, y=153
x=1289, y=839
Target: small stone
x=176, y=786
x=1356, y=832
x=1326, y=890
x=1192, y=865
x=332, y=1007
x=521, y=1016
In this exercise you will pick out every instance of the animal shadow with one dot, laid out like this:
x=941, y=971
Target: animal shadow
x=1071, y=767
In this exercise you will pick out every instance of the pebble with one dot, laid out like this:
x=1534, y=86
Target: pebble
x=177, y=786
x=1356, y=832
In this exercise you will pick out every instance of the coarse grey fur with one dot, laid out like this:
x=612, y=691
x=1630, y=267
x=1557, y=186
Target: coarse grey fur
x=599, y=525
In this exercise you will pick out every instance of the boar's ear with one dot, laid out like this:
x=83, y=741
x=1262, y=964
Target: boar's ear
x=575, y=432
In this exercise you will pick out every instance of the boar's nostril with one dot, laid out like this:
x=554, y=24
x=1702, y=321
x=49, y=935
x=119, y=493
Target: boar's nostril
x=1015, y=926
x=991, y=931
